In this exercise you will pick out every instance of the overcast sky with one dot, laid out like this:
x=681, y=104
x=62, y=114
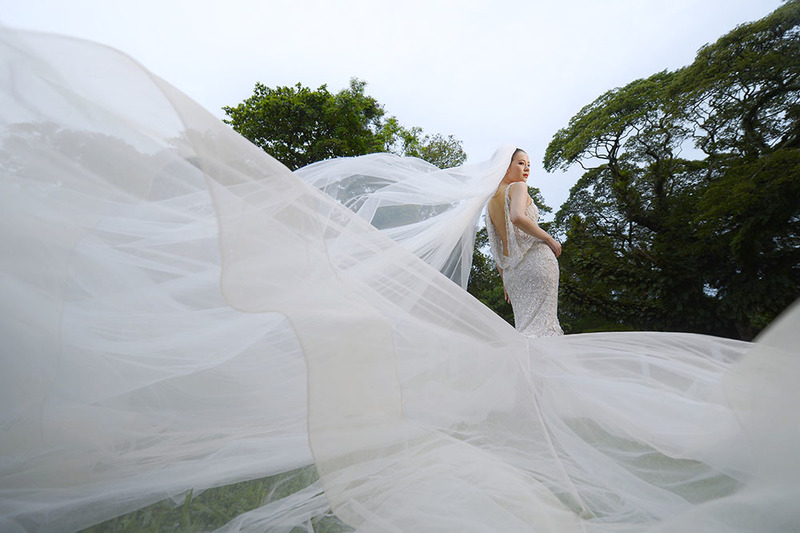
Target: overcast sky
x=486, y=71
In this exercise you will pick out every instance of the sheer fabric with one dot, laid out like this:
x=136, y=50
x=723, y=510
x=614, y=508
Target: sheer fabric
x=181, y=312
x=431, y=212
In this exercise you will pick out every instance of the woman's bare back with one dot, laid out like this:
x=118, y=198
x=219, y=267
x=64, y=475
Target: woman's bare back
x=496, y=210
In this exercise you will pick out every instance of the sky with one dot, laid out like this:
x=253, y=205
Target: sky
x=489, y=72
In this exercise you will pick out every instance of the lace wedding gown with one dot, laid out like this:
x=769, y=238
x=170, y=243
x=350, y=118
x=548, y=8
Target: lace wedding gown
x=530, y=275
x=180, y=312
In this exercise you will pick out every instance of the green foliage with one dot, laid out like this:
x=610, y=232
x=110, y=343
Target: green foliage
x=215, y=507
x=299, y=126
x=485, y=282
x=688, y=214
x=444, y=152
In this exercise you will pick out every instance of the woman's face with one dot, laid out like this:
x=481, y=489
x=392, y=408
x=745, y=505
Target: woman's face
x=519, y=168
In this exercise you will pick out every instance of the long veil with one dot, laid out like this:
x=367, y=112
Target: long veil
x=181, y=312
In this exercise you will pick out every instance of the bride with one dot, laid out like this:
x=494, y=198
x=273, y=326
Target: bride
x=526, y=255
x=182, y=312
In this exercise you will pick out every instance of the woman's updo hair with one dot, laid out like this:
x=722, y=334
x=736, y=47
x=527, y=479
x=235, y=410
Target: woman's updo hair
x=518, y=150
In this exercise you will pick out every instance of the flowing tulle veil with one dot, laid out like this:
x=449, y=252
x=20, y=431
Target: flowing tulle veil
x=181, y=312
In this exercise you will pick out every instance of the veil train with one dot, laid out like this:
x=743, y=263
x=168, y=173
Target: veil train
x=182, y=312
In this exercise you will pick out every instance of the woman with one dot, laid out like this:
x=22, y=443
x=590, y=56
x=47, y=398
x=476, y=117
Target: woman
x=525, y=257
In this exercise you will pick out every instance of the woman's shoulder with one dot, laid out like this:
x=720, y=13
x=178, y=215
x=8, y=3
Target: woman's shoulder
x=518, y=187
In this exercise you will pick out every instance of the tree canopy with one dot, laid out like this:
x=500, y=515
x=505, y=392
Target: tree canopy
x=299, y=126
x=688, y=214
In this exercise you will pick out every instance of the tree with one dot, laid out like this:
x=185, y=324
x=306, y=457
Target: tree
x=444, y=152
x=688, y=214
x=299, y=126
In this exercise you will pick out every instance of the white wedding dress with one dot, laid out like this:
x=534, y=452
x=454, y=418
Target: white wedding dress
x=530, y=275
x=180, y=311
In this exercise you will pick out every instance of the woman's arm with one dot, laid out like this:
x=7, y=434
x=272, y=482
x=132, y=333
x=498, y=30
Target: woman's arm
x=518, y=193
x=505, y=292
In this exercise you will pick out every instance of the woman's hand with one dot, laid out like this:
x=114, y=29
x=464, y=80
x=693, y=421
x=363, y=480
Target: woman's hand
x=555, y=246
x=505, y=293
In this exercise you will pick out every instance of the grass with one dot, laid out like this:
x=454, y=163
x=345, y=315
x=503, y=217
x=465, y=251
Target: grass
x=215, y=507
